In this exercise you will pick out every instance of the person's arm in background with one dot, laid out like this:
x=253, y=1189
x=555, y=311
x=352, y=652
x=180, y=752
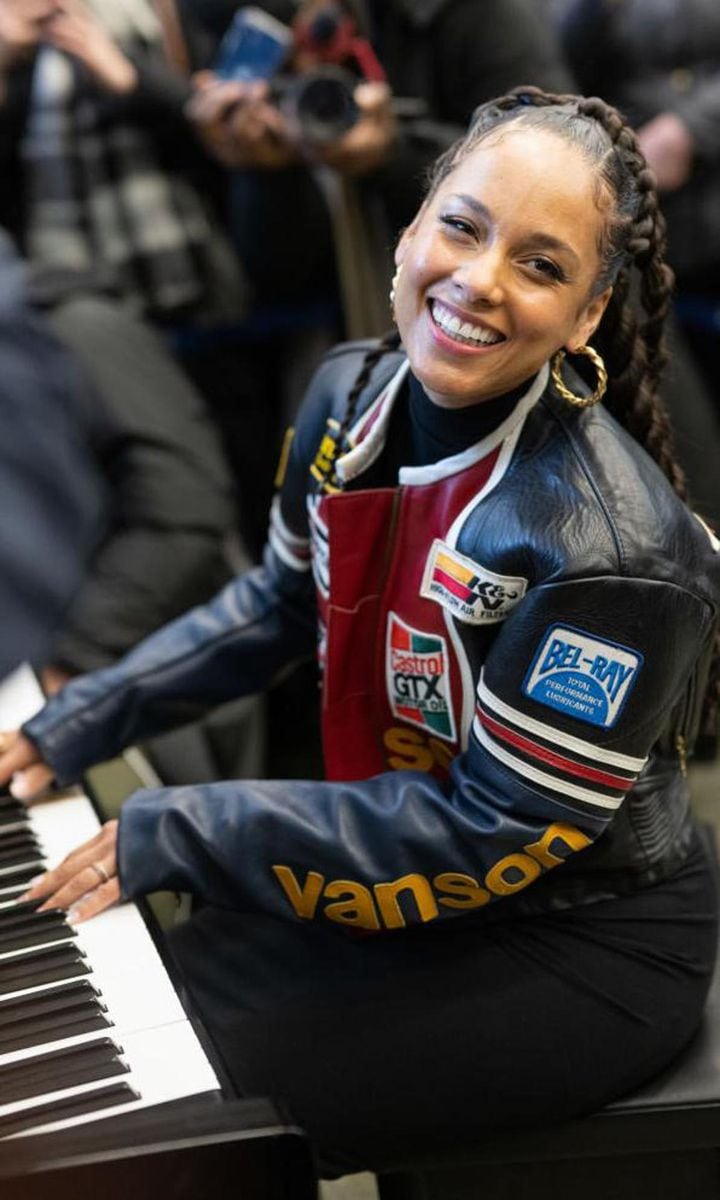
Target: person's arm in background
x=171, y=493
x=20, y=24
x=676, y=114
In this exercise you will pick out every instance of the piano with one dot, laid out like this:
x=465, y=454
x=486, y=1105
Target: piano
x=90, y=1023
x=105, y=1087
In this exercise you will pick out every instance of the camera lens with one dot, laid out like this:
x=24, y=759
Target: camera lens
x=324, y=105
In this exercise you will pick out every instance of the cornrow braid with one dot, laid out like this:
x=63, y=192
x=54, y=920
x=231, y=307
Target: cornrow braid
x=389, y=341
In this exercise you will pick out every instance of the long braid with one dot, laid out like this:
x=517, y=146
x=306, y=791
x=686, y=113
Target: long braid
x=389, y=341
x=635, y=351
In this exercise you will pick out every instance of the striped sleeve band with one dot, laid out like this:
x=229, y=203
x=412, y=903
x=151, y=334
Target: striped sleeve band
x=563, y=764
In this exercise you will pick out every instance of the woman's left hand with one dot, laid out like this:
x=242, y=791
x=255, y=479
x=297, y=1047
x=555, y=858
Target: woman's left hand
x=85, y=882
x=74, y=30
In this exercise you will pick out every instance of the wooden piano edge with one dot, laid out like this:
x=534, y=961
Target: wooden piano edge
x=185, y=1150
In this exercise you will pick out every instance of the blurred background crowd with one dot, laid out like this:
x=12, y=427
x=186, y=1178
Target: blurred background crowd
x=182, y=237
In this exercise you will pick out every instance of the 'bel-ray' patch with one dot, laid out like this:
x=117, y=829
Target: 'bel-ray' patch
x=418, y=678
x=582, y=676
x=472, y=593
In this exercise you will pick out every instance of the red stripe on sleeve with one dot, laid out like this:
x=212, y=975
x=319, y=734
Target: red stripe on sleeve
x=534, y=749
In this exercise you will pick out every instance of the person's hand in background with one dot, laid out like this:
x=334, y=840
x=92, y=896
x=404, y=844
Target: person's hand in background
x=365, y=146
x=239, y=125
x=669, y=149
x=21, y=27
x=75, y=30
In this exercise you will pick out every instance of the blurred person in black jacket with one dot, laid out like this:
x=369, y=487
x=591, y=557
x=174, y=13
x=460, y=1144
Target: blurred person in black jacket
x=659, y=60
x=54, y=500
x=170, y=488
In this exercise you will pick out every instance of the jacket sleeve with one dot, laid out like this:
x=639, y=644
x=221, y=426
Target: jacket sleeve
x=234, y=646
x=574, y=693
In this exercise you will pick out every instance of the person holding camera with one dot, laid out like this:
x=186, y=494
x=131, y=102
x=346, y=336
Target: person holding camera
x=496, y=909
x=419, y=69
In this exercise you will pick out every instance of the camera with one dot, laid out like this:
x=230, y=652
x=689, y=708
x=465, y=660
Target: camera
x=313, y=67
x=319, y=104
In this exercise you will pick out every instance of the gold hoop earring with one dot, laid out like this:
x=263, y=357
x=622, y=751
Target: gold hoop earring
x=571, y=397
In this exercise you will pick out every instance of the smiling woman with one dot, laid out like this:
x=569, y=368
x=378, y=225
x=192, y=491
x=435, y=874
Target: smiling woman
x=515, y=616
x=491, y=288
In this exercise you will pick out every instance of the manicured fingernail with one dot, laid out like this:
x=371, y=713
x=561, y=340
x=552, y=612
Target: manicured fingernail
x=19, y=788
x=74, y=915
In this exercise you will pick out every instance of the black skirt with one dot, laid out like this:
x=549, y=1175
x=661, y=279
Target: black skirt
x=388, y=1049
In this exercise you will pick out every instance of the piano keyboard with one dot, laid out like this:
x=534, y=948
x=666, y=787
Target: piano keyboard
x=90, y=1024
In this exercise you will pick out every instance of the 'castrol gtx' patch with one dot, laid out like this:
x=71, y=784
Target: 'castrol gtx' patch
x=472, y=593
x=582, y=676
x=418, y=678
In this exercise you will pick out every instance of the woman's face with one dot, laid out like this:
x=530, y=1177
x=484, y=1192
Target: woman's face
x=499, y=266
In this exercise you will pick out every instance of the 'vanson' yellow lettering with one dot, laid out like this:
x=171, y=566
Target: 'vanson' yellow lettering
x=463, y=888
x=386, y=895
x=304, y=900
x=356, y=909
x=363, y=907
x=572, y=838
x=524, y=869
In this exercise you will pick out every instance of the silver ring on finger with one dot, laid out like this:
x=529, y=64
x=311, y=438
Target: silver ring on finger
x=100, y=871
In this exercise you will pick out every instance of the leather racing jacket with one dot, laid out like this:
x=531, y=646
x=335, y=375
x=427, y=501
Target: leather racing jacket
x=514, y=640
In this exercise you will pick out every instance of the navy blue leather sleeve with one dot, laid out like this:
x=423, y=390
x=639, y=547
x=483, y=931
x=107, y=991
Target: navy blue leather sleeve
x=572, y=697
x=233, y=646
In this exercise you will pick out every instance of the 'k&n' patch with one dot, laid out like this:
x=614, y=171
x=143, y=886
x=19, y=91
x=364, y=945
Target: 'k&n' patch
x=582, y=676
x=472, y=593
x=418, y=678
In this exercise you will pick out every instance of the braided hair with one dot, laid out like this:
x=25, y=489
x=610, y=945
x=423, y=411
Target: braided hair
x=633, y=236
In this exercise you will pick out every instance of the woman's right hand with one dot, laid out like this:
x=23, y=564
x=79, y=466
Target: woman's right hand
x=22, y=763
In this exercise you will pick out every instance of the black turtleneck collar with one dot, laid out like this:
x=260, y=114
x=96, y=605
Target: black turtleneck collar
x=420, y=432
x=442, y=432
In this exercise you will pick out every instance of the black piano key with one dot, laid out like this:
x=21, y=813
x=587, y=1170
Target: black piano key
x=71, y=1106
x=54, y=1027
x=18, y=878
x=54, y=931
x=50, y=999
x=41, y=967
x=11, y=803
x=22, y=857
x=11, y=895
x=20, y=906
x=11, y=820
x=18, y=837
x=18, y=920
x=28, y=860
x=61, y=1069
